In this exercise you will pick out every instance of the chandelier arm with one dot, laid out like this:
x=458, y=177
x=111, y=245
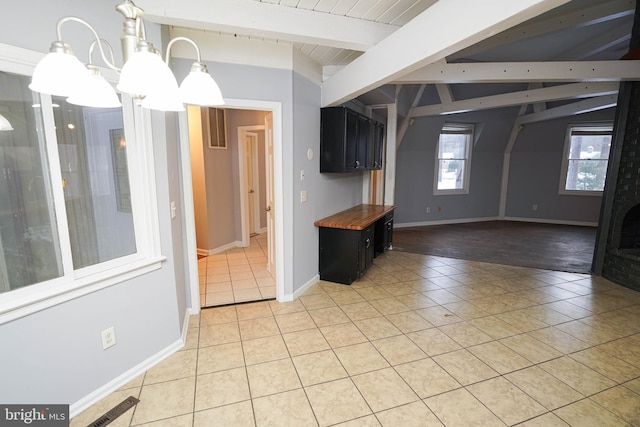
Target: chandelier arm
x=141, y=30
x=186, y=39
x=100, y=41
x=65, y=19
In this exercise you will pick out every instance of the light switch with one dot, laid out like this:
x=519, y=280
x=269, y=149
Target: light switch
x=173, y=210
x=302, y=175
x=303, y=196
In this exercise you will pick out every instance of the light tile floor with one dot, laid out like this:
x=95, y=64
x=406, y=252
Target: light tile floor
x=419, y=340
x=237, y=275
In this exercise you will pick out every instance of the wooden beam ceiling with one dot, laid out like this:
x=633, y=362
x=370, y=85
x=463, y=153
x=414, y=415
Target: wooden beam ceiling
x=265, y=20
x=600, y=12
x=569, y=91
x=505, y=72
x=390, y=59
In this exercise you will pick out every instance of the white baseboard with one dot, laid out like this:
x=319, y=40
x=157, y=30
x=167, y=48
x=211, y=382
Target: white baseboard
x=552, y=221
x=444, y=222
x=202, y=252
x=468, y=220
x=220, y=249
x=113, y=385
x=315, y=279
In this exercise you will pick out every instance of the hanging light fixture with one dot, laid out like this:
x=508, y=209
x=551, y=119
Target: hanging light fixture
x=144, y=74
x=4, y=124
x=96, y=91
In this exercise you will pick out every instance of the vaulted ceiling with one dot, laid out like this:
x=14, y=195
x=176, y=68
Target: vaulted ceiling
x=370, y=48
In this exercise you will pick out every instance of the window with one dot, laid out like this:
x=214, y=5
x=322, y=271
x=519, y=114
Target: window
x=73, y=217
x=586, y=157
x=29, y=238
x=90, y=140
x=454, y=159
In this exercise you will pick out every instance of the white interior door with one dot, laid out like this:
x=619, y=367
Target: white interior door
x=251, y=184
x=271, y=225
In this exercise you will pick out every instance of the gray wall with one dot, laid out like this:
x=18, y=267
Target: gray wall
x=416, y=164
x=534, y=173
x=534, y=176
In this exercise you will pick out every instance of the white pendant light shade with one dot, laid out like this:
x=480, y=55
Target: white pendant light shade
x=4, y=124
x=97, y=93
x=145, y=73
x=199, y=88
x=59, y=72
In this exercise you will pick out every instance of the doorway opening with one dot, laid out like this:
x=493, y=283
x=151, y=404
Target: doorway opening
x=234, y=201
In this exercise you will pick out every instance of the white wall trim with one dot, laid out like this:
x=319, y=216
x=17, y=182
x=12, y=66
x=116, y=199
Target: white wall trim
x=113, y=385
x=188, y=213
x=553, y=221
x=315, y=279
x=494, y=218
x=281, y=194
x=443, y=222
x=244, y=186
x=134, y=372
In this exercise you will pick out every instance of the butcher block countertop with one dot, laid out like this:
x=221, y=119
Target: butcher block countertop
x=355, y=218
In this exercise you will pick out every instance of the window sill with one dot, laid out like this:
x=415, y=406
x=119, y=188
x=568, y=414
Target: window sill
x=23, y=302
x=450, y=192
x=580, y=193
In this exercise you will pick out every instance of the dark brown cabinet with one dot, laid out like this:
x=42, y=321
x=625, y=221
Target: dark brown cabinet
x=349, y=241
x=384, y=234
x=345, y=254
x=349, y=141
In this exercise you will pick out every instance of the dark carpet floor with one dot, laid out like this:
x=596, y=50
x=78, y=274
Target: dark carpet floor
x=546, y=246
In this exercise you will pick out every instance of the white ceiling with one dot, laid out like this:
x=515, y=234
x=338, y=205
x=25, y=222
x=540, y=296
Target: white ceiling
x=401, y=37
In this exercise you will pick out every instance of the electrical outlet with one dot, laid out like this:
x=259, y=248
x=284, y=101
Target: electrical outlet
x=303, y=196
x=428, y=209
x=108, y=338
x=534, y=207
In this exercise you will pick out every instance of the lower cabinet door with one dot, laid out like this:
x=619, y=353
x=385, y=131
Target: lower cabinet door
x=367, y=248
x=339, y=255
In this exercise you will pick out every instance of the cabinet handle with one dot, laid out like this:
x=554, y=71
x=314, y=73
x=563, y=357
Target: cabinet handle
x=367, y=243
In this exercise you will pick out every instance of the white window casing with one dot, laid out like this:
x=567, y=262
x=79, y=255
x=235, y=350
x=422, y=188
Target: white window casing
x=584, y=159
x=453, y=168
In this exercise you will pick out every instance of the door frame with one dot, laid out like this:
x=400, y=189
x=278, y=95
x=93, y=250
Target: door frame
x=191, y=256
x=244, y=185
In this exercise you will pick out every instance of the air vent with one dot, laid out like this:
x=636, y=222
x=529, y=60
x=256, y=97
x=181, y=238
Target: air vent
x=114, y=413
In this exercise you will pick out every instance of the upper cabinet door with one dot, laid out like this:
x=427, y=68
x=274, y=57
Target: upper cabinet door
x=349, y=141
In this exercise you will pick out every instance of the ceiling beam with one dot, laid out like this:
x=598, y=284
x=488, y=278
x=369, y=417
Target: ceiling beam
x=266, y=20
x=392, y=58
x=501, y=72
x=555, y=21
x=406, y=122
x=573, y=109
x=444, y=92
x=575, y=90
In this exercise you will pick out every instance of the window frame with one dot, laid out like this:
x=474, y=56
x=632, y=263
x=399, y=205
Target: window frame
x=72, y=283
x=467, y=160
x=566, y=151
